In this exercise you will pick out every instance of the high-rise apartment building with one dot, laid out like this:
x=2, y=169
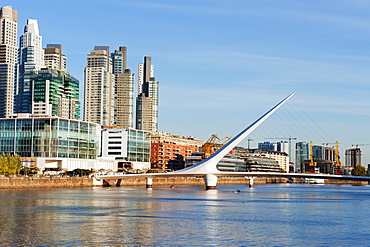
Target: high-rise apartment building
x=54, y=57
x=99, y=97
x=124, y=89
x=147, y=99
x=353, y=157
x=55, y=93
x=8, y=59
x=31, y=60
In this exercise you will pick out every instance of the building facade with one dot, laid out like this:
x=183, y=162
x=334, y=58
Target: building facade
x=31, y=60
x=56, y=93
x=147, y=99
x=8, y=59
x=54, y=57
x=99, y=97
x=124, y=89
x=169, y=151
x=353, y=157
x=281, y=157
x=128, y=147
x=261, y=164
x=302, y=154
x=30, y=136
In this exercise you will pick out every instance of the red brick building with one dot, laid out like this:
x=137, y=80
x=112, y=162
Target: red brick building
x=169, y=151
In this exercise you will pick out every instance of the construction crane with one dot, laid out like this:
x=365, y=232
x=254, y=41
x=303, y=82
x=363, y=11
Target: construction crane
x=212, y=145
x=312, y=158
x=357, y=145
x=337, y=164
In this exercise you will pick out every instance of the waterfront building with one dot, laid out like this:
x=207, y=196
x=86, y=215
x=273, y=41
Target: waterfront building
x=229, y=162
x=54, y=57
x=353, y=157
x=281, y=157
x=8, y=59
x=53, y=142
x=56, y=93
x=322, y=166
x=124, y=89
x=31, y=60
x=169, y=151
x=261, y=164
x=130, y=148
x=99, y=97
x=302, y=153
x=147, y=99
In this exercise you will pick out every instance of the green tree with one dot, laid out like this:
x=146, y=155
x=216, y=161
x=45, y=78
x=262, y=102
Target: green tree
x=10, y=163
x=359, y=170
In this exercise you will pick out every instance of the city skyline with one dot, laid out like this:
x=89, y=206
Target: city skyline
x=222, y=63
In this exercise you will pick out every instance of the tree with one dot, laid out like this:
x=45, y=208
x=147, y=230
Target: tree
x=359, y=170
x=10, y=163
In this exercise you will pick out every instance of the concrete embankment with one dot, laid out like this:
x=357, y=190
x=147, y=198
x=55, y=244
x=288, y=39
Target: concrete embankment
x=78, y=182
x=44, y=182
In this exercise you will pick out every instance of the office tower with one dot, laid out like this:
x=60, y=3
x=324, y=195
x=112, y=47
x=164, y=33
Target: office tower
x=99, y=98
x=353, y=157
x=147, y=99
x=302, y=153
x=124, y=89
x=8, y=59
x=54, y=58
x=31, y=60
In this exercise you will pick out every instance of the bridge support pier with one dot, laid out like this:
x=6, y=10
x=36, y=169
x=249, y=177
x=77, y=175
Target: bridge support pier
x=211, y=181
x=149, y=183
x=251, y=181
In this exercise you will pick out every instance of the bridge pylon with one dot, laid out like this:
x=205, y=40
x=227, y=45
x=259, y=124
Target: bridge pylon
x=210, y=181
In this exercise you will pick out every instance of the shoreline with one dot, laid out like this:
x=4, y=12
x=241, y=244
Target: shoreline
x=80, y=182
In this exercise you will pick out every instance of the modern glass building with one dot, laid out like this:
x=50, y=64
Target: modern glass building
x=138, y=147
x=56, y=93
x=49, y=137
x=31, y=60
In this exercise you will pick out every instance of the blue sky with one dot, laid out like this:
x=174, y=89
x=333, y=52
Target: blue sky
x=222, y=63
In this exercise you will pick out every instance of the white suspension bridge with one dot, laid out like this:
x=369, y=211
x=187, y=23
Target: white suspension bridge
x=208, y=168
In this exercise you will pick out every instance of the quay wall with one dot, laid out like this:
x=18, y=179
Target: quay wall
x=44, y=182
x=78, y=182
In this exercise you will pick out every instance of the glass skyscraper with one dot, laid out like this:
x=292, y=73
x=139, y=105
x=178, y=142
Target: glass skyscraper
x=31, y=60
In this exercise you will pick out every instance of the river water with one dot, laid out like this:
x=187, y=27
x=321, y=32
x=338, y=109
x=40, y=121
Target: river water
x=266, y=215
